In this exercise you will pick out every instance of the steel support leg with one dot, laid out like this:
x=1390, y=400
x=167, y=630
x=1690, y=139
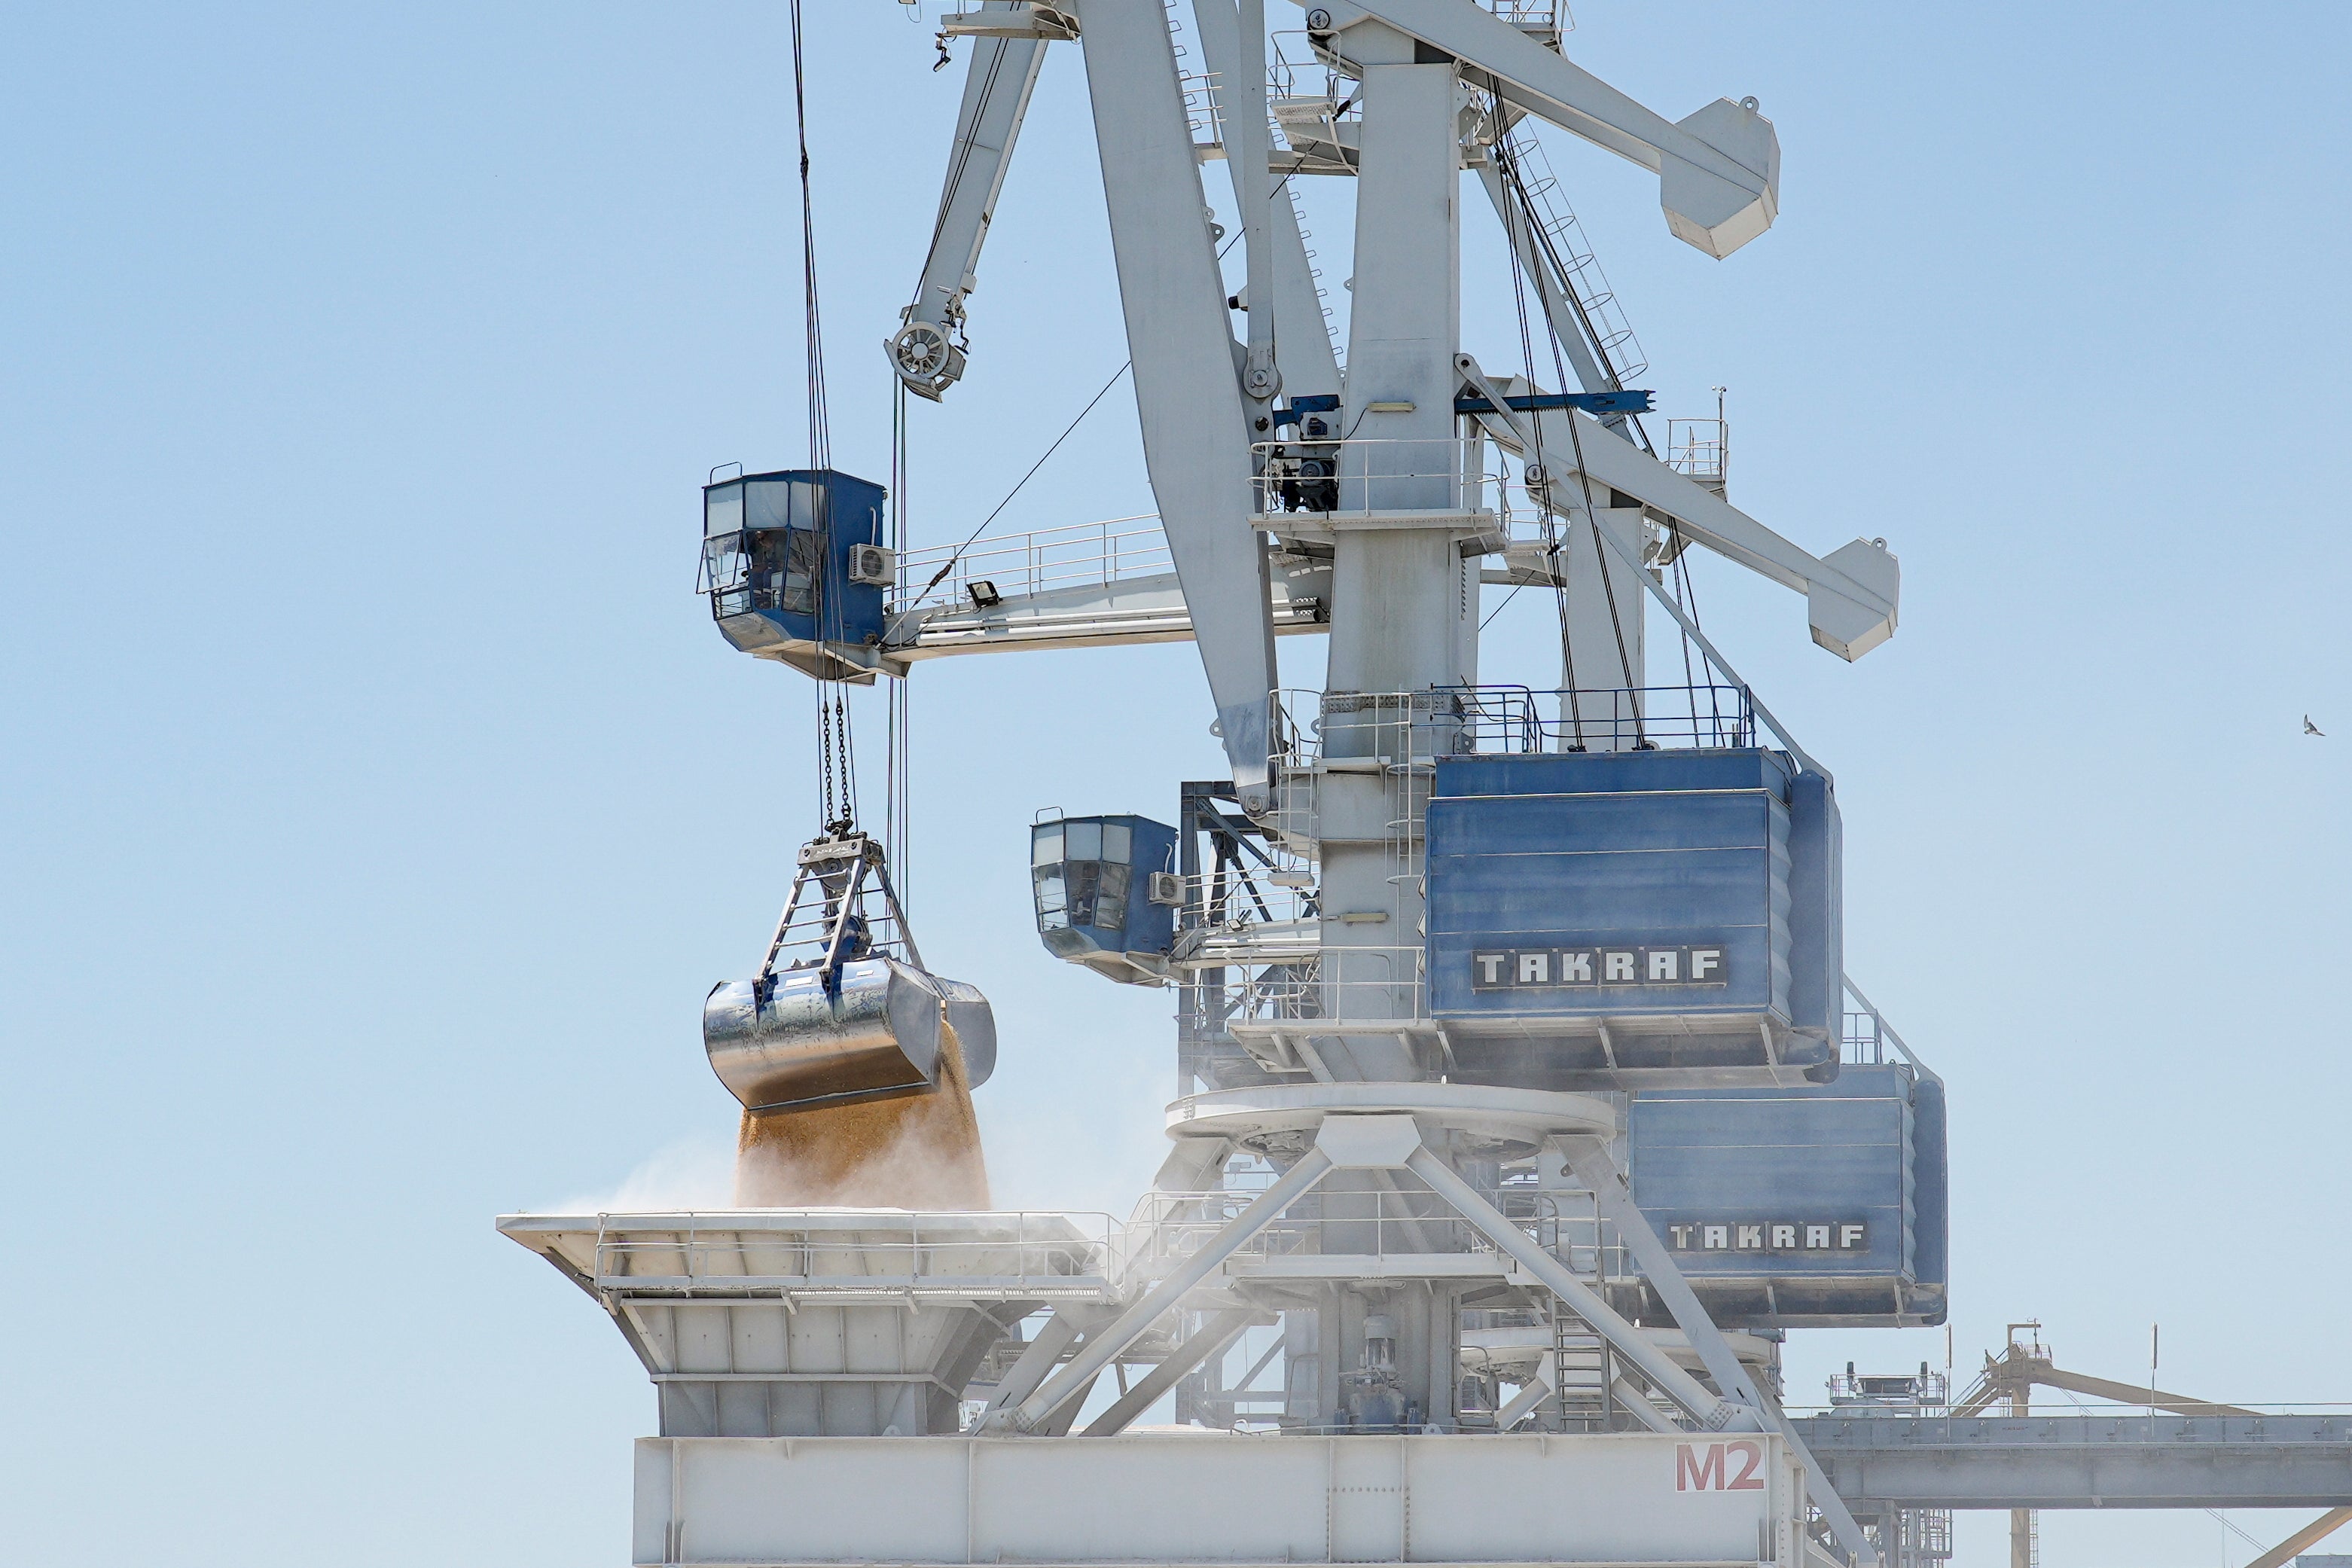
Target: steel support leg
x=1055, y=1336
x=1104, y=1347
x=2311, y=1534
x=1523, y=1404
x=1213, y=1339
x=1637, y=1403
x=1715, y=1415
x=1196, y=435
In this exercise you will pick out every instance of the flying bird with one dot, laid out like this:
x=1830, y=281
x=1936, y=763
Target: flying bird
x=2310, y=729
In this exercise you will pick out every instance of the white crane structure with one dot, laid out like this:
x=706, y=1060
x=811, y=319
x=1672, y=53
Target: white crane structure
x=1416, y=1147
x=1419, y=500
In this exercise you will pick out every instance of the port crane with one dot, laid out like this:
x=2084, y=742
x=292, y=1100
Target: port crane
x=1524, y=1098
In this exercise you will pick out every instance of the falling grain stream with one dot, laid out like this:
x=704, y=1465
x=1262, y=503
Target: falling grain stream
x=912, y=1151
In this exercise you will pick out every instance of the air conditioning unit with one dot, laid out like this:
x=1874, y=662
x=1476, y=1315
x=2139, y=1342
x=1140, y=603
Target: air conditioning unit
x=873, y=565
x=1167, y=888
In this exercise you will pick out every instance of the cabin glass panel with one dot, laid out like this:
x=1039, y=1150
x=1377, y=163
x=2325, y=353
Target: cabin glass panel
x=776, y=557
x=1090, y=877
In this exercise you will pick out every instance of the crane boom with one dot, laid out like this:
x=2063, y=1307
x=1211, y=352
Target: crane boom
x=926, y=352
x=1195, y=446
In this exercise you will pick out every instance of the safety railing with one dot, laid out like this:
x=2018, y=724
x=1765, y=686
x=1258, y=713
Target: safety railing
x=1046, y=1251
x=1223, y=897
x=1864, y=1043
x=1545, y=20
x=1340, y=989
x=1294, y=71
x=1698, y=448
x=1345, y=1217
x=1563, y=1224
x=1868, y=1039
x=1906, y=1391
x=1079, y=555
x=1442, y=475
x=1337, y=732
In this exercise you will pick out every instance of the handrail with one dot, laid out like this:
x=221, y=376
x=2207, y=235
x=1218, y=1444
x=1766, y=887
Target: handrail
x=1887, y=1032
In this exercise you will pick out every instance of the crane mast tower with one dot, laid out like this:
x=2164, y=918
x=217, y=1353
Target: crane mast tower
x=1526, y=1104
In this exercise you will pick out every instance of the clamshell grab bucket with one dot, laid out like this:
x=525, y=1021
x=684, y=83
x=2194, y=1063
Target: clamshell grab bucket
x=793, y=1039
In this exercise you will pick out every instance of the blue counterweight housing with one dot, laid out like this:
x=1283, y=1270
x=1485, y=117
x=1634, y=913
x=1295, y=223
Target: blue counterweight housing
x=1808, y=1206
x=788, y=560
x=1092, y=877
x=1636, y=918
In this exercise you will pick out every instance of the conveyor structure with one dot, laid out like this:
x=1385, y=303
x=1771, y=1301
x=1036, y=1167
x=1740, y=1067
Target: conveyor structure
x=1525, y=1105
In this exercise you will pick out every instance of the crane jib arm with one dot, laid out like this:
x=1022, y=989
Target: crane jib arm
x=1186, y=391
x=925, y=351
x=1718, y=170
x=1852, y=594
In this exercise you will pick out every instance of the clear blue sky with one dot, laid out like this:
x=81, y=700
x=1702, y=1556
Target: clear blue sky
x=379, y=802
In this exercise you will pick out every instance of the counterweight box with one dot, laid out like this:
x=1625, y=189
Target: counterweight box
x=1805, y=1206
x=1636, y=917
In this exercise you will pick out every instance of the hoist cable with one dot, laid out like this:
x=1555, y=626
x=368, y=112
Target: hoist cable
x=965, y=146
x=820, y=428
x=836, y=755
x=949, y=565
x=1555, y=559
x=1542, y=239
x=1690, y=677
x=1687, y=591
x=896, y=794
x=1524, y=205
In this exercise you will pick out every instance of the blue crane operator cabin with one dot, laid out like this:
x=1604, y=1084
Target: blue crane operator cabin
x=795, y=568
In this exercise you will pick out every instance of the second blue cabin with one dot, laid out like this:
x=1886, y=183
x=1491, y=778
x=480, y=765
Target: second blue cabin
x=1093, y=880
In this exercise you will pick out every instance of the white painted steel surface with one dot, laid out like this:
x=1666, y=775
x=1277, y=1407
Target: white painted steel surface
x=1718, y=169
x=997, y=85
x=860, y=1322
x=1173, y=1498
x=1289, y=323
x=1195, y=434
x=1489, y=1120
x=1852, y=594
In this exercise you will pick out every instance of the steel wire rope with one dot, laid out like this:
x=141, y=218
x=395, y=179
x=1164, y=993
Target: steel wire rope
x=1690, y=677
x=1545, y=519
x=949, y=565
x=964, y=147
x=1525, y=202
x=836, y=749
x=897, y=799
x=1507, y=166
x=1522, y=204
x=1686, y=595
